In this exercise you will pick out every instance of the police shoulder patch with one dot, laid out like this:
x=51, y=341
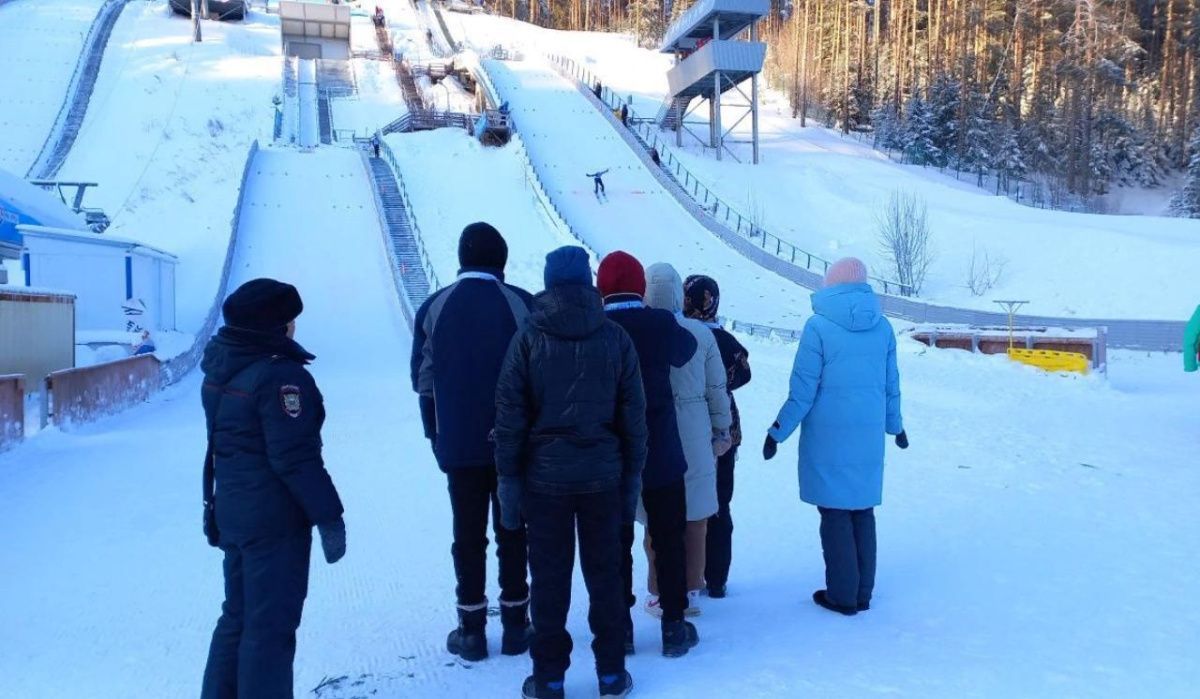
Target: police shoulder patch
x=289, y=398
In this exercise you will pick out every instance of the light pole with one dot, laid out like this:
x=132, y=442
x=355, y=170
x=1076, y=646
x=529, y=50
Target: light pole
x=196, y=21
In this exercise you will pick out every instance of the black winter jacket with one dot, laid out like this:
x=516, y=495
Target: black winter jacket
x=570, y=411
x=661, y=343
x=460, y=337
x=736, y=359
x=266, y=414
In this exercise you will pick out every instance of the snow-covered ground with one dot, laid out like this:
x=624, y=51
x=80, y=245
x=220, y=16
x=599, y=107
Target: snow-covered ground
x=167, y=133
x=1039, y=543
x=40, y=43
x=452, y=181
x=822, y=191
x=380, y=99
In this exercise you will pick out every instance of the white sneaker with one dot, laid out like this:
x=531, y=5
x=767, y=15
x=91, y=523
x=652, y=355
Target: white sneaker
x=653, y=608
x=693, y=609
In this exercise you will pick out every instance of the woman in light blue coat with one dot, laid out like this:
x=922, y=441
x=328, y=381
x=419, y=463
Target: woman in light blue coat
x=845, y=396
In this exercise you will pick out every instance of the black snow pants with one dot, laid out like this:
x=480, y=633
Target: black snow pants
x=472, y=492
x=719, y=545
x=848, y=542
x=599, y=186
x=254, y=644
x=666, y=523
x=553, y=521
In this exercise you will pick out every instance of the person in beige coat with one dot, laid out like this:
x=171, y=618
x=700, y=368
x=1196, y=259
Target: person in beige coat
x=704, y=418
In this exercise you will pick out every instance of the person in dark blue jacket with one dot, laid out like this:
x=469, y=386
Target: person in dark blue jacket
x=570, y=448
x=265, y=487
x=461, y=335
x=661, y=344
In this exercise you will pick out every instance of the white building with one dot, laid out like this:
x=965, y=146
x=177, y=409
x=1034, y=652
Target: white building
x=118, y=284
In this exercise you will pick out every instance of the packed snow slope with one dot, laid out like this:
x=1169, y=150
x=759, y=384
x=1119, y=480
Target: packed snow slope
x=570, y=138
x=453, y=181
x=167, y=133
x=40, y=43
x=379, y=99
x=822, y=192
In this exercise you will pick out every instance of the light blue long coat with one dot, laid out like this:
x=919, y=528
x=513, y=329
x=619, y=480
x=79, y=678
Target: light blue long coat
x=845, y=392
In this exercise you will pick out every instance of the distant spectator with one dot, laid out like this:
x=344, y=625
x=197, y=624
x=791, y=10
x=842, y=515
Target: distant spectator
x=598, y=90
x=1191, y=342
x=145, y=344
x=624, y=115
x=654, y=157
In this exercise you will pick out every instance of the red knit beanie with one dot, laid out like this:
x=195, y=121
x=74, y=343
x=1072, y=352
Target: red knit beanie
x=621, y=273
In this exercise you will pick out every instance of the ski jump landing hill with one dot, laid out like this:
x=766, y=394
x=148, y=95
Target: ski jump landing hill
x=657, y=196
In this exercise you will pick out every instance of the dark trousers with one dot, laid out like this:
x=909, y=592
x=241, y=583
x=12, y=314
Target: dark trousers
x=848, y=541
x=599, y=188
x=666, y=523
x=553, y=521
x=472, y=491
x=719, y=546
x=254, y=644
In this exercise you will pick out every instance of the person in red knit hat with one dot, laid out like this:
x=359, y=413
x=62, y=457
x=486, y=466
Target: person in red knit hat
x=661, y=344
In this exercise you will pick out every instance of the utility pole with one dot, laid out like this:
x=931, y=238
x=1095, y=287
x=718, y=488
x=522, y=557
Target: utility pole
x=196, y=21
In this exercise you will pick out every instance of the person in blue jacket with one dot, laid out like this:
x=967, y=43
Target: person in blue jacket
x=845, y=396
x=461, y=335
x=661, y=344
x=265, y=486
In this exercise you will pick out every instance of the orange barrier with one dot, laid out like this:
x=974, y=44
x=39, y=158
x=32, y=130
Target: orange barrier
x=85, y=394
x=12, y=410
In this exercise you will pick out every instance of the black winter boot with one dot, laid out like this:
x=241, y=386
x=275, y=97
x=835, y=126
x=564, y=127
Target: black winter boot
x=822, y=600
x=468, y=641
x=518, y=632
x=616, y=685
x=532, y=689
x=678, y=637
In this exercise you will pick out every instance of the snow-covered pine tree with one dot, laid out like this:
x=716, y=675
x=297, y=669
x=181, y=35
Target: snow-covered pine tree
x=888, y=129
x=1186, y=202
x=919, y=135
x=944, y=106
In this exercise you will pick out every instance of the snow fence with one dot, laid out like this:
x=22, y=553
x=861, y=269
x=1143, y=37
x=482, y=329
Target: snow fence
x=76, y=396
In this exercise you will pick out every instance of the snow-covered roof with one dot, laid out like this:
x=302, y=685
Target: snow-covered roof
x=95, y=239
x=23, y=203
x=16, y=290
x=738, y=14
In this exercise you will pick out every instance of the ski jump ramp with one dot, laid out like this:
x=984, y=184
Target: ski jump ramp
x=566, y=138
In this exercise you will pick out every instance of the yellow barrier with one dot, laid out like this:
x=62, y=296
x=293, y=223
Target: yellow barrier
x=1050, y=360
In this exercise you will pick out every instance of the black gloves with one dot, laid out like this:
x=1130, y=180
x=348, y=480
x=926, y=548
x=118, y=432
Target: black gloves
x=902, y=440
x=770, y=447
x=511, y=492
x=428, y=417
x=333, y=540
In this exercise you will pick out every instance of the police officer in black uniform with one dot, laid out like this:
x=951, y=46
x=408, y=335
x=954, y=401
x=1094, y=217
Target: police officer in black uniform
x=265, y=488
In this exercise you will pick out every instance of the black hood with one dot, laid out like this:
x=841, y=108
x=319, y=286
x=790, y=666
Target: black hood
x=234, y=349
x=573, y=311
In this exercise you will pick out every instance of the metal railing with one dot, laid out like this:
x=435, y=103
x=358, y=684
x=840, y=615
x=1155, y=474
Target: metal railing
x=747, y=226
x=1138, y=334
x=44, y=166
x=176, y=368
x=390, y=158
x=429, y=119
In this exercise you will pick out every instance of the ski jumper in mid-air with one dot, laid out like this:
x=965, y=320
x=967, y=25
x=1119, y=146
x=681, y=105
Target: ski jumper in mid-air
x=597, y=178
